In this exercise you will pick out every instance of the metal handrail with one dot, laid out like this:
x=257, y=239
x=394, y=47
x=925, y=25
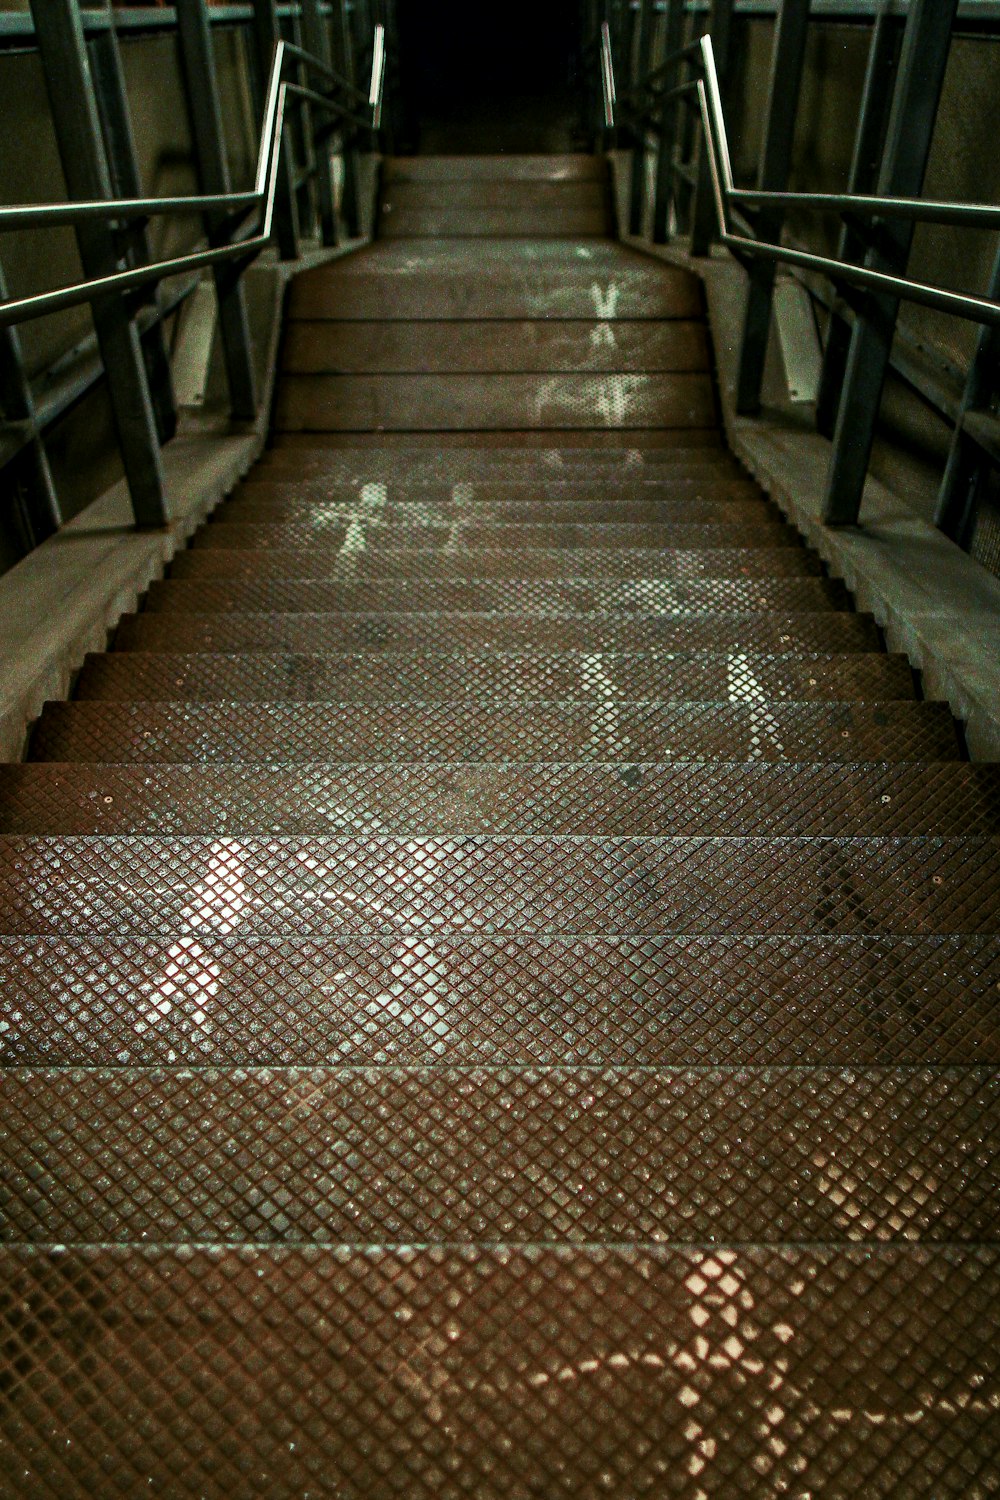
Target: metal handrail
x=725, y=194
x=22, y=309
x=608, y=76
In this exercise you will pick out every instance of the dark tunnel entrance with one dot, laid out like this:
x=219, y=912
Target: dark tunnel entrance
x=485, y=78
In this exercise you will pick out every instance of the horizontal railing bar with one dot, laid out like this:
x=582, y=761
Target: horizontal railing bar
x=926, y=210
x=19, y=26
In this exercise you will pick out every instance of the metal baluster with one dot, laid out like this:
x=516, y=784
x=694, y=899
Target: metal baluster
x=920, y=79
x=344, y=63
x=38, y=504
x=119, y=142
x=876, y=104
x=266, y=35
x=968, y=465
x=70, y=87
x=720, y=28
x=673, y=32
x=316, y=39
x=637, y=183
x=787, y=60
x=204, y=107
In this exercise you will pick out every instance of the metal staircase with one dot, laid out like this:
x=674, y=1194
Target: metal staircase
x=501, y=986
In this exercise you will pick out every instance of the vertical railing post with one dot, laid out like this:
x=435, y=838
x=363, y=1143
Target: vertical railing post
x=119, y=142
x=69, y=83
x=873, y=121
x=967, y=465
x=640, y=67
x=344, y=63
x=205, y=111
x=36, y=494
x=720, y=28
x=316, y=39
x=922, y=64
x=673, y=32
x=787, y=59
x=266, y=35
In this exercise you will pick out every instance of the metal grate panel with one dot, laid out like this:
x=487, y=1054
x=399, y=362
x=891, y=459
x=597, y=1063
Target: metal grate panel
x=328, y=539
x=596, y=1001
x=682, y=800
x=330, y=886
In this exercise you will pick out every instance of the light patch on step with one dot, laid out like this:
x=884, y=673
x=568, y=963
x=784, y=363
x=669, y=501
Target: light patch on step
x=744, y=688
x=605, y=301
x=602, y=335
x=374, y=495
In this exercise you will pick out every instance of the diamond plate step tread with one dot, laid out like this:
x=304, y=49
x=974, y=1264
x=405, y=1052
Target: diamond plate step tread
x=449, y=348
x=429, y=403
x=436, y=1373
x=509, y=167
x=529, y=290
x=372, y=534
x=150, y=733
x=773, y=634
x=296, y=886
x=514, y=504
x=556, y=221
x=407, y=1155
x=428, y=1001
x=606, y=564
x=681, y=800
x=544, y=598
x=617, y=442
x=389, y=675
x=551, y=193
x=698, y=457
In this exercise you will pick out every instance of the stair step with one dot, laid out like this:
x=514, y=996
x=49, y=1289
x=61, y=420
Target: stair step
x=392, y=348
x=463, y=730
x=528, y=290
x=385, y=676
x=606, y=564
x=345, y=403
x=617, y=441
x=510, y=167
x=648, y=501
x=552, y=194
x=555, y=221
x=774, y=634
x=587, y=1155
x=516, y=1370
x=660, y=1001
x=365, y=533
x=541, y=597
x=336, y=886
x=684, y=799
x=301, y=458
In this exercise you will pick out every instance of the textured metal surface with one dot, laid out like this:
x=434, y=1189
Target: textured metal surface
x=445, y=1372
x=694, y=454
x=683, y=799
x=542, y=597
x=505, y=504
x=601, y=677
x=548, y=195
x=499, y=440
x=364, y=532
x=776, y=634
x=332, y=348
x=539, y=562
x=369, y=1156
x=509, y=291
x=510, y=167
x=648, y=1002
x=256, y=886
x=556, y=221
x=148, y=733
x=345, y=403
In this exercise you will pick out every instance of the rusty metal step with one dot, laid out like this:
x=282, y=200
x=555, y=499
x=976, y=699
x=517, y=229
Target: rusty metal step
x=614, y=441
x=540, y=562
x=547, y=194
x=773, y=634
x=194, y=887
x=697, y=456
x=290, y=733
x=600, y=677
x=365, y=532
x=524, y=346
x=557, y=1155
x=682, y=799
x=549, y=221
x=511, y=1001
x=583, y=501
x=432, y=1373
x=497, y=293
x=541, y=597
x=509, y=168
x=433, y=403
